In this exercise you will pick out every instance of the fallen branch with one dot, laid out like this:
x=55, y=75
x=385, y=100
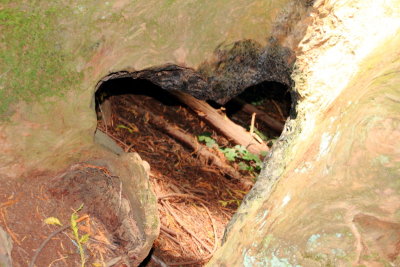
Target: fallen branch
x=275, y=125
x=191, y=142
x=222, y=123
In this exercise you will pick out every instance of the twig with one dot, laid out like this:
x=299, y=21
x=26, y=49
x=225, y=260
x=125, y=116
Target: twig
x=103, y=118
x=214, y=228
x=208, y=213
x=44, y=243
x=274, y=124
x=253, y=119
x=8, y=229
x=279, y=109
x=178, y=220
x=170, y=237
x=129, y=148
x=120, y=196
x=113, y=261
x=181, y=195
x=59, y=259
x=167, y=230
x=8, y=203
x=116, y=139
x=204, y=206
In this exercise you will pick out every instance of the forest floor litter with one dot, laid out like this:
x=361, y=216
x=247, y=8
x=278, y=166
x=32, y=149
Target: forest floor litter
x=199, y=177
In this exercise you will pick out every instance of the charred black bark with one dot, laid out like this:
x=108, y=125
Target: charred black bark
x=231, y=71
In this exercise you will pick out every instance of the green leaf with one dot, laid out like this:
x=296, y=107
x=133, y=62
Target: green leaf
x=74, y=224
x=223, y=203
x=52, y=221
x=207, y=139
x=241, y=149
x=203, y=136
x=80, y=207
x=257, y=102
x=250, y=157
x=243, y=166
x=211, y=142
x=121, y=126
x=74, y=217
x=84, y=238
x=230, y=153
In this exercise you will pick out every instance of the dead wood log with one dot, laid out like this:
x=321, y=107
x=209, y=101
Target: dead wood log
x=275, y=125
x=188, y=140
x=222, y=123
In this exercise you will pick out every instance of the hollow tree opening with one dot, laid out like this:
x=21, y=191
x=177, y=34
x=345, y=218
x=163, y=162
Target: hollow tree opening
x=204, y=157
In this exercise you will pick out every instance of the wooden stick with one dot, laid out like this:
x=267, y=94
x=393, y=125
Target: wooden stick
x=253, y=120
x=222, y=123
x=267, y=119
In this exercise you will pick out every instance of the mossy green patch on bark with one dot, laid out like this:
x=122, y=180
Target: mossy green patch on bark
x=34, y=64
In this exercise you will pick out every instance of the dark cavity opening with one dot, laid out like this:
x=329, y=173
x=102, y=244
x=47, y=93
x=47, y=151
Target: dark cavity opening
x=270, y=101
x=210, y=178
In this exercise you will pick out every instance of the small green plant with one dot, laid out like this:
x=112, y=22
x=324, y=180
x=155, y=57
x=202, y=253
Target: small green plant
x=131, y=128
x=247, y=160
x=225, y=203
x=236, y=195
x=257, y=102
x=254, y=163
x=80, y=240
x=207, y=139
x=230, y=153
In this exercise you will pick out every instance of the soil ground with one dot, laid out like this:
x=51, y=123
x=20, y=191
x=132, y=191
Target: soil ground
x=196, y=200
x=25, y=204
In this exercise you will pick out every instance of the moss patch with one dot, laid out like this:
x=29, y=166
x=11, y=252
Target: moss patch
x=34, y=64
